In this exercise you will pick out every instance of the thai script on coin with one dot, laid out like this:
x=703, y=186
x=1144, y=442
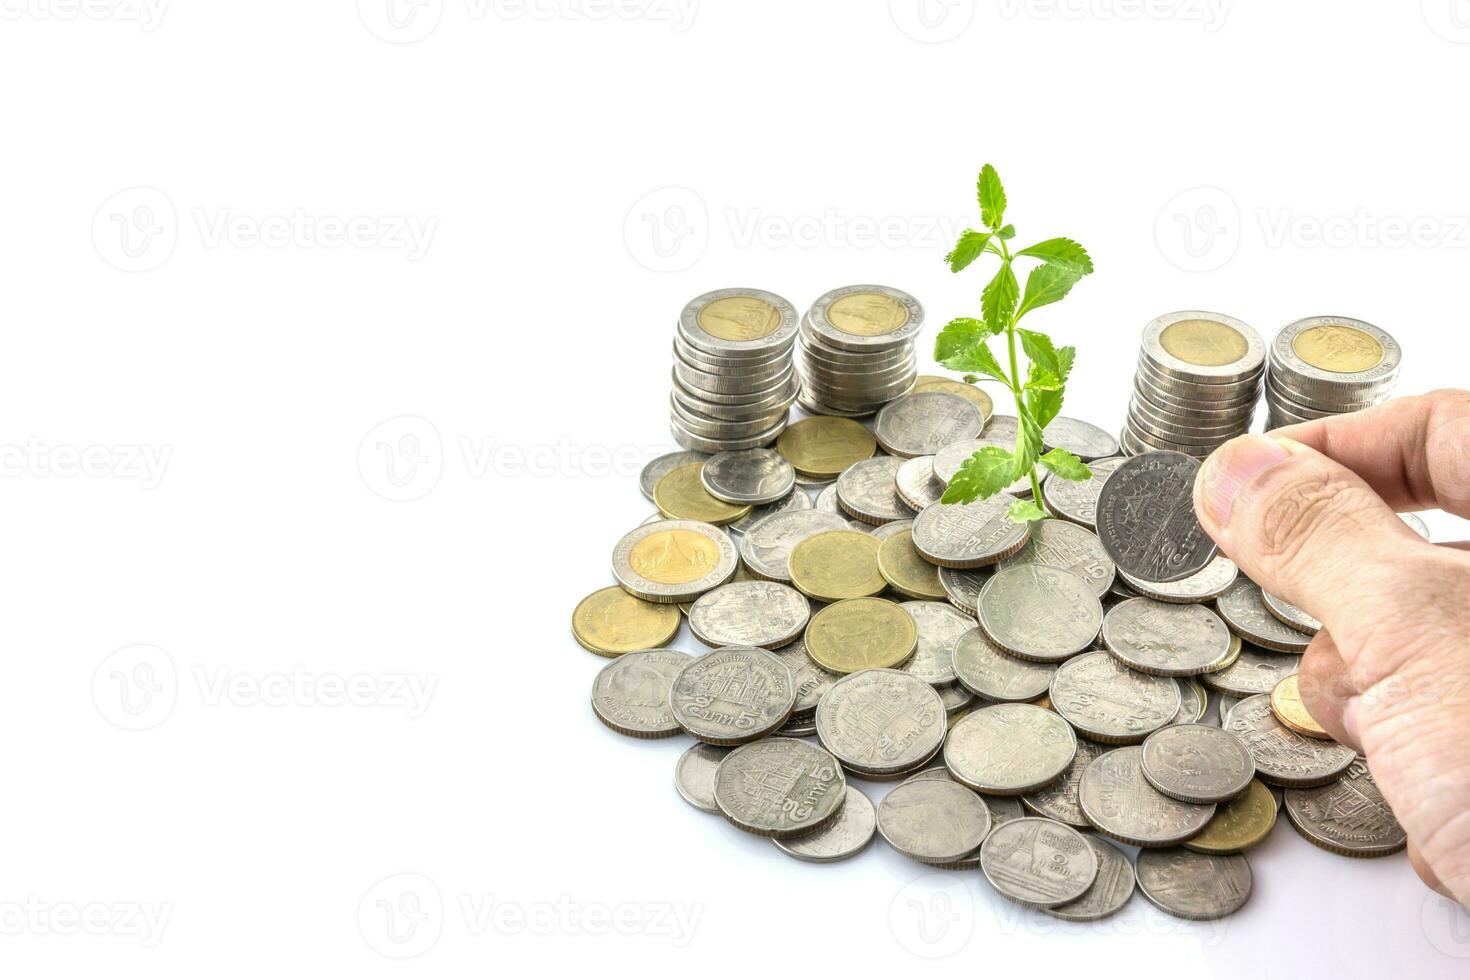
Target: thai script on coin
x=631, y=694
x=1009, y=749
x=881, y=721
x=1197, y=763
x=1192, y=885
x=1281, y=755
x=780, y=787
x=1146, y=520
x=1109, y=702
x=1038, y=862
x=1165, y=639
x=1039, y=613
x=755, y=614
x=1117, y=800
x=733, y=695
x=842, y=838
x=1348, y=816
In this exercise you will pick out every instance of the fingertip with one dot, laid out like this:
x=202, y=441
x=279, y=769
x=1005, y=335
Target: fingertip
x=1227, y=470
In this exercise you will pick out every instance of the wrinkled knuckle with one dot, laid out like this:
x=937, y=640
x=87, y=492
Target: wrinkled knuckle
x=1298, y=513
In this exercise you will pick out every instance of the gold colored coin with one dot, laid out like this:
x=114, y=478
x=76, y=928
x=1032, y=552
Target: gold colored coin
x=857, y=634
x=742, y=574
x=1343, y=350
x=1201, y=692
x=823, y=446
x=837, y=565
x=1240, y=824
x=610, y=623
x=739, y=318
x=1232, y=654
x=903, y=568
x=1206, y=343
x=674, y=557
x=681, y=496
x=949, y=386
x=867, y=314
x=1286, y=705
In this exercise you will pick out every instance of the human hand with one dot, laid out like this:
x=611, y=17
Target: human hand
x=1309, y=513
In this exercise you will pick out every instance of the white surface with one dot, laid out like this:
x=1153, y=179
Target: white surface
x=527, y=324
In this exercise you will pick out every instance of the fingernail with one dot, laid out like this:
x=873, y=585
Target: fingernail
x=1350, y=722
x=1231, y=467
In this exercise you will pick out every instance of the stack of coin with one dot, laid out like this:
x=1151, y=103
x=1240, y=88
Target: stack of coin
x=1198, y=381
x=1328, y=365
x=857, y=350
x=734, y=381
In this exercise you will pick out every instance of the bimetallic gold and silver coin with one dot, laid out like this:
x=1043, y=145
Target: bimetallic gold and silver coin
x=857, y=350
x=674, y=561
x=1327, y=365
x=610, y=622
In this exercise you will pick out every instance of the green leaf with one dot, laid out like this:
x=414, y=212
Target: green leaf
x=1028, y=445
x=992, y=198
x=1065, y=465
x=998, y=302
x=1039, y=348
x=984, y=474
x=1026, y=511
x=1007, y=233
x=1044, y=406
x=969, y=248
x=961, y=346
x=1065, y=357
x=1061, y=252
x=1039, y=378
x=1046, y=285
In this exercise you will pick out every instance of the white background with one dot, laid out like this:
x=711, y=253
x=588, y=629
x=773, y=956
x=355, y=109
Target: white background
x=177, y=180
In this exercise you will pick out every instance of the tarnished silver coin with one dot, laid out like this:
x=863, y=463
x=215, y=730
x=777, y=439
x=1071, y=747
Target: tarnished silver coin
x=881, y=721
x=1281, y=755
x=1290, y=614
x=1109, y=702
x=868, y=490
x=1003, y=809
x=933, y=820
x=780, y=787
x=948, y=460
x=766, y=548
x=1194, y=886
x=963, y=586
x=1039, y=613
x=1146, y=520
x=1202, y=586
x=1063, y=544
x=812, y=680
x=1119, y=802
x=797, y=499
x=1164, y=638
x=1197, y=763
x=733, y=695
x=1243, y=607
x=1038, y=862
x=1009, y=749
x=827, y=500
x=954, y=697
x=1059, y=800
x=748, y=476
x=1082, y=439
x=694, y=775
x=749, y=614
x=1110, y=891
x=798, y=726
x=1348, y=816
x=656, y=468
x=940, y=628
x=923, y=422
x=847, y=835
x=674, y=561
x=969, y=535
x=987, y=670
x=917, y=485
x=1255, y=671
x=885, y=531
x=631, y=694
x=1076, y=500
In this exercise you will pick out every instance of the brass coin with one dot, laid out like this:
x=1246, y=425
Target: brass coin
x=858, y=634
x=1286, y=705
x=1337, y=348
x=824, y=445
x=867, y=314
x=681, y=496
x=971, y=394
x=902, y=567
x=837, y=565
x=1240, y=824
x=610, y=623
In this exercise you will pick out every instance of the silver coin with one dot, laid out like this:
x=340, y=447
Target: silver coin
x=866, y=317
x=917, y=485
x=923, y=422
x=1224, y=704
x=694, y=775
x=1206, y=347
x=780, y=787
x=827, y=500
x=766, y=548
x=846, y=836
x=1076, y=500
x=631, y=694
x=949, y=459
x=1146, y=519
x=940, y=628
x=1002, y=429
x=868, y=490
x=656, y=468
x=738, y=321
x=1282, y=756
x=990, y=672
x=1009, y=749
x=797, y=499
x=1348, y=816
x=885, y=531
x=812, y=680
x=968, y=535
x=1003, y=809
x=1059, y=800
x=733, y=695
x=1197, y=763
x=1039, y=613
x=933, y=820
x=1163, y=638
x=1109, y=702
x=963, y=586
x=748, y=476
x=749, y=614
x=954, y=697
x=1243, y=607
x=1082, y=439
x=1255, y=671
x=1111, y=890
x=1119, y=802
x=1202, y=586
x=690, y=439
x=1193, y=702
x=1038, y=862
x=1290, y=614
x=658, y=561
x=1191, y=885
x=1065, y=545
x=1379, y=352
x=881, y=721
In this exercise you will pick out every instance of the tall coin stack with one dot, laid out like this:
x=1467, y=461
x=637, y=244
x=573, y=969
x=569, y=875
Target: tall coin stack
x=1328, y=365
x=1198, y=381
x=857, y=349
x=734, y=380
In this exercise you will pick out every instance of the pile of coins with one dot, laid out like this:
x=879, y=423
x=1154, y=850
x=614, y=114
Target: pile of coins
x=1198, y=381
x=734, y=380
x=1328, y=365
x=857, y=350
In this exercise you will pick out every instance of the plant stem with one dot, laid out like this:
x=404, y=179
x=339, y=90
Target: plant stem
x=1016, y=384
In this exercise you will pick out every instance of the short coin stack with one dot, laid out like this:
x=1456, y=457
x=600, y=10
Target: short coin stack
x=1328, y=365
x=857, y=349
x=734, y=381
x=1198, y=381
